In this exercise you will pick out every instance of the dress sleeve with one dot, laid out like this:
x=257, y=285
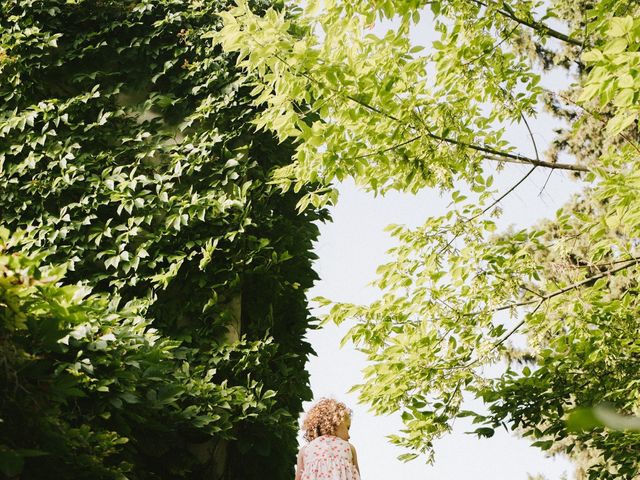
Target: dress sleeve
x=354, y=458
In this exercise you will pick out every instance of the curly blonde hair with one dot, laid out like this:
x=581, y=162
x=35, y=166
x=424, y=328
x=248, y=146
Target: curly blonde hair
x=323, y=418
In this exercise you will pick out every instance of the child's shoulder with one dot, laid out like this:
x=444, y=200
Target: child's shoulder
x=323, y=441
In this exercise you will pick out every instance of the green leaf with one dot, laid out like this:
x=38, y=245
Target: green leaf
x=615, y=46
x=583, y=419
x=621, y=122
x=11, y=463
x=484, y=432
x=620, y=26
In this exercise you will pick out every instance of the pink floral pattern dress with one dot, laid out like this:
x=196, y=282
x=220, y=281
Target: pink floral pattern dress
x=328, y=458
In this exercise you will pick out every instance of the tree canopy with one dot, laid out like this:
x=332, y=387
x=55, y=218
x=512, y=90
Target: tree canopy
x=128, y=160
x=85, y=384
x=394, y=115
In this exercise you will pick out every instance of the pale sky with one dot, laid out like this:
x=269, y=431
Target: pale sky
x=350, y=248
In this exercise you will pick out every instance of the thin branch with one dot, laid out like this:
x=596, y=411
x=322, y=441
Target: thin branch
x=455, y=392
x=539, y=301
x=566, y=289
x=502, y=340
x=534, y=25
x=630, y=141
x=370, y=107
x=516, y=185
x=542, y=299
x=535, y=148
x=533, y=140
x=515, y=328
x=524, y=287
x=489, y=50
x=511, y=158
x=493, y=204
x=492, y=154
x=385, y=150
x=504, y=195
x=545, y=183
x=597, y=265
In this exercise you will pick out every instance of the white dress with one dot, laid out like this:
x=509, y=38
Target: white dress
x=328, y=458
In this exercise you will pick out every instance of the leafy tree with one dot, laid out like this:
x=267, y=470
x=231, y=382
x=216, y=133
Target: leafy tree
x=81, y=380
x=128, y=156
x=394, y=116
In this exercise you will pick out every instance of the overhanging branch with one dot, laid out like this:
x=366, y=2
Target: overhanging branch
x=538, y=301
x=492, y=154
x=630, y=263
x=537, y=26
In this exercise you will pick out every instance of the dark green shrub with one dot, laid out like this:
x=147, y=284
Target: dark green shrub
x=127, y=154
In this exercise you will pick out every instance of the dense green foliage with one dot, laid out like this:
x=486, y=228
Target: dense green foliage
x=127, y=155
x=592, y=360
x=90, y=391
x=393, y=115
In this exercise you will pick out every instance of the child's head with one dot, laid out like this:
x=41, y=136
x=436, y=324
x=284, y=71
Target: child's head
x=327, y=417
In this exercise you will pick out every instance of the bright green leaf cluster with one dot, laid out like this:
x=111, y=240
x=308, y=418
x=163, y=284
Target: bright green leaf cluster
x=613, y=78
x=86, y=386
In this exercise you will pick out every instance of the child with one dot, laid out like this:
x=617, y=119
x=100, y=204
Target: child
x=328, y=455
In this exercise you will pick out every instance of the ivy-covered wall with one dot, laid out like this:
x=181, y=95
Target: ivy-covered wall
x=127, y=153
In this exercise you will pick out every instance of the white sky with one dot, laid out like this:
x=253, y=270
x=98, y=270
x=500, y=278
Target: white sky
x=350, y=249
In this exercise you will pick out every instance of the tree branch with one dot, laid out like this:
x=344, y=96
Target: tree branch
x=493, y=204
x=385, y=150
x=539, y=27
x=515, y=158
x=492, y=154
x=548, y=296
x=539, y=302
